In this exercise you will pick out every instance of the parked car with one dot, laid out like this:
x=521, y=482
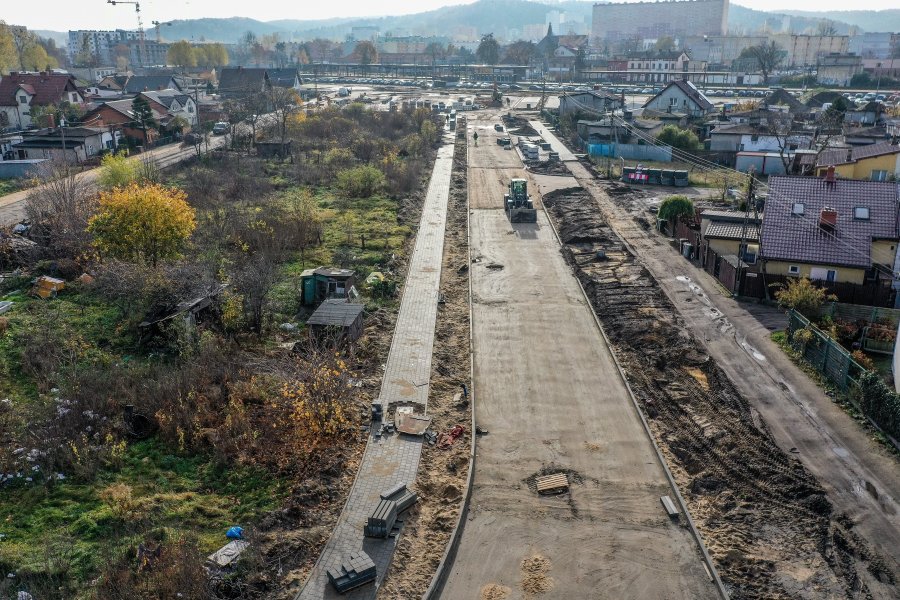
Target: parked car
x=221, y=128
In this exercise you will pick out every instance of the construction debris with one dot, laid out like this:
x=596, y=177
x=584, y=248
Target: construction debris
x=557, y=483
x=228, y=554
x=47, y=287
x=446, y=440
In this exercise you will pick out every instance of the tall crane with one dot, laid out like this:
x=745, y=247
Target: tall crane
x=157, y=24
x=137, y=9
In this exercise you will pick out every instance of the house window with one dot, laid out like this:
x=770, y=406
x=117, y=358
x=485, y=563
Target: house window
x=793, y=269
x=797, y=208
x=673, y=101
x=23, y=99
x=861, y=212
x=879, y=175
x=749, y=253
x=190, y=108
x=821, y=274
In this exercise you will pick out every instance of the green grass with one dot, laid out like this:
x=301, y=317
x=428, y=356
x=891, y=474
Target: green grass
x=10, y=186
x=187, y=493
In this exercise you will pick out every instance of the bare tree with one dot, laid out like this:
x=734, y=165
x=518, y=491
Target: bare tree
x=284, y=103
x=768, y=57
x=59, y=209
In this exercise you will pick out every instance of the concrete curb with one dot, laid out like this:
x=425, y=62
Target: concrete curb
x=707, y=560
x=442, y=571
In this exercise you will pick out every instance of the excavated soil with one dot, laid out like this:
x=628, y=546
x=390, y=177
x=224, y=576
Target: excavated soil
x=765, y=519
x=518, y=125
x=441, y=480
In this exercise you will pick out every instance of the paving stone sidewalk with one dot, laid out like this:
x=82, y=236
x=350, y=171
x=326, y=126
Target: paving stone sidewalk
x=394, y=459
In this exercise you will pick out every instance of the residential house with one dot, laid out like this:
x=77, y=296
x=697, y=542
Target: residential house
x=862, y=136
x=875, y=162
x=869, y=114
x=174, y=104
x=239, y=82
x=22, y=92
x=782, y=100
x=150, y=83
x=119, y=115
x=285, y=78
x=74, y=145
x=731, y=140
x=657, y=67
x=593, y=102
x=838, y=69
x=832, y=230
x=730, y=233
x=681, y=97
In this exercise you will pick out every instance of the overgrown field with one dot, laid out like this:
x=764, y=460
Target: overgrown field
x=171, y=390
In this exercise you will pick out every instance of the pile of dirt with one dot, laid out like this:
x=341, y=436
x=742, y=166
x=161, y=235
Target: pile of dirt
x=535, y=579
x=493, y=591
x=518, y=126
x=549, y=168
x=441, y=479
x=765, y=519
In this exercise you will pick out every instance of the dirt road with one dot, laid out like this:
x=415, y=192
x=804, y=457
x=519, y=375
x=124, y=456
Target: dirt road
x=549, y=395
x=860, y=478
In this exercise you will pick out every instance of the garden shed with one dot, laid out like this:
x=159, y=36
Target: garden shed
x=339, y=317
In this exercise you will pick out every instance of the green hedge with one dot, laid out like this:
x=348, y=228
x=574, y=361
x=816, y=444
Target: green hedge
x=880, y=403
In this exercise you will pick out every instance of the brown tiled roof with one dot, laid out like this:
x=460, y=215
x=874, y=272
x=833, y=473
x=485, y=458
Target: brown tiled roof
x=798, y=238
x=840, y=156
x=732, y=231
x=47, y=88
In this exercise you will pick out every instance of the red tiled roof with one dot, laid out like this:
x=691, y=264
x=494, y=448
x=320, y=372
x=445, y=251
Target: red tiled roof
x=47, y=88
x=798, y=238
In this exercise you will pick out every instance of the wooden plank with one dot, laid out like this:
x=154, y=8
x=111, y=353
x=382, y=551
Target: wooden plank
x=558, y=482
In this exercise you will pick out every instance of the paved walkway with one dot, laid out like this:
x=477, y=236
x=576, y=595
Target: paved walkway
x=394, y=459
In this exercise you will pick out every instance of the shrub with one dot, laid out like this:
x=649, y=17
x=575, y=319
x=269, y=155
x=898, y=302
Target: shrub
x=360, y=182
x=863, y=359
x=802, y=296
x=116, y=170
x=880, y=403
x=677, y=137
x=674, y=207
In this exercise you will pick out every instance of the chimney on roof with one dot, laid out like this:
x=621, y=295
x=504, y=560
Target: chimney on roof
x=830, y=177
x=828, y=219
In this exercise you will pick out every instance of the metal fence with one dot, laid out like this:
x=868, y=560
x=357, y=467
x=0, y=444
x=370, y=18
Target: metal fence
x=821, y=351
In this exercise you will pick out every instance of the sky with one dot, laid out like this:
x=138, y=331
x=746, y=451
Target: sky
x=62, y=15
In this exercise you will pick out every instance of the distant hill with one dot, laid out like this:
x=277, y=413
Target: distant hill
x=501, y=17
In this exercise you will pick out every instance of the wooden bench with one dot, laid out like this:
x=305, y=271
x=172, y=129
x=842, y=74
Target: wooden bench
x=357, y=569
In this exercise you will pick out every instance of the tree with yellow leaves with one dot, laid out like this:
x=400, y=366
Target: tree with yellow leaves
x=145, y=223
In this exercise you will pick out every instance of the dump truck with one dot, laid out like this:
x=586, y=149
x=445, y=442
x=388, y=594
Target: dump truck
x=518, y=204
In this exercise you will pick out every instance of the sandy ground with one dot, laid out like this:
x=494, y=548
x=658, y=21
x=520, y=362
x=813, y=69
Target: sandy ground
x=551, y=399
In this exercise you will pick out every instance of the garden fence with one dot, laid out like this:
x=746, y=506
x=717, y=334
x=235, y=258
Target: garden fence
x=824, y=353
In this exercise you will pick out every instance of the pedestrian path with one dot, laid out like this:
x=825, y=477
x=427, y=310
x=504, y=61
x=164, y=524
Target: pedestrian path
x=393, y=459
x=565, y=155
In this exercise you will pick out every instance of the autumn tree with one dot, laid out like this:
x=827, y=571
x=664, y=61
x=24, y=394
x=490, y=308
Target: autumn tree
x=520, y=53
x=117, y=171
x=35, y=58
x=181, y=54
x=211, y=55
x=8, y=57
x=283, y=102
x=303, y=214
x=488, y=50
x=146, y=223
x=768, y=57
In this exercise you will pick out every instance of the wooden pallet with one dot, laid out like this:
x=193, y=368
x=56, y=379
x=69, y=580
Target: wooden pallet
x=553, y=484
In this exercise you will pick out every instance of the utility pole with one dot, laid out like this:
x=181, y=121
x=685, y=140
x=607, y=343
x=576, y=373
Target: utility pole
x=742, y=248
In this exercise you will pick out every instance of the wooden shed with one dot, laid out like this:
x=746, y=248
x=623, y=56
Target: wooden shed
x=337, y=317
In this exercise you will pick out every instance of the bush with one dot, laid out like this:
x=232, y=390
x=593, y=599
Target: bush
x=801, y=295
x=677, y=137
x=880, y=403
x=116, y=170
x=674, y=207
x=360, y=182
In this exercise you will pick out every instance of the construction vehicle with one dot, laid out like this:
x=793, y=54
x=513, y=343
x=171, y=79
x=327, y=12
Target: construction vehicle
x=517, y=203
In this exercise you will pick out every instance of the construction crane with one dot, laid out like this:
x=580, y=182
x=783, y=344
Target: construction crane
x=157, y=24
x=137, y=9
